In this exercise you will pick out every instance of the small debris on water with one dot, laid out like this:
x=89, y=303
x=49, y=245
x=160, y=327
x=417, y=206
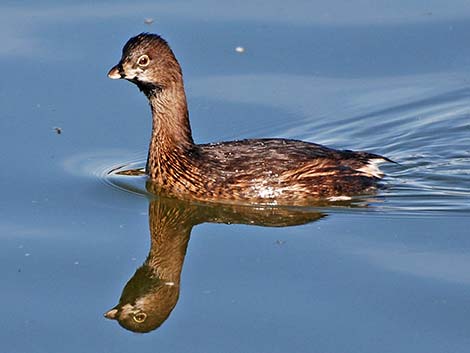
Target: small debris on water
x=148, y=21
x=240, y=50
x=58, y=130
x=76, y=263
x=280, y=242
x=27, y=254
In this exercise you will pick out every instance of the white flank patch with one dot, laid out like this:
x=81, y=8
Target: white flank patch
x=267, y=192
x=371, y=169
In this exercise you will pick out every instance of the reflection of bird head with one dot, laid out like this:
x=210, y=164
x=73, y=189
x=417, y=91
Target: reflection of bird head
x=146, y=302
x=151, y=294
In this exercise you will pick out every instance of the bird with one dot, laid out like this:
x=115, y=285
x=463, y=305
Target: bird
x=149, y=297
x=274, y=171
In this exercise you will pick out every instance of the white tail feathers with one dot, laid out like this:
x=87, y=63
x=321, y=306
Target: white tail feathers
x=371, y=169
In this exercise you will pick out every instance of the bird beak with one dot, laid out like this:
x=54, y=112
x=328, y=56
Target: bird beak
x=111, y=314
x=116, y=72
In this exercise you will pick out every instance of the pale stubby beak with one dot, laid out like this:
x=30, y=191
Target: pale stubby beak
x=111, y=314
x=116, y=72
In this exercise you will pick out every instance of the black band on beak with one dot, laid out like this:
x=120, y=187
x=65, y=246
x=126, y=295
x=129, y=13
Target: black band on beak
x=116, y=72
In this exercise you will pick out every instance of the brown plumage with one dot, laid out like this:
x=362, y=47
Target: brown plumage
x=278, y=171
x=150, y=295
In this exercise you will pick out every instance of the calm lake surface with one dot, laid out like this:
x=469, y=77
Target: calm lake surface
x=385, y=273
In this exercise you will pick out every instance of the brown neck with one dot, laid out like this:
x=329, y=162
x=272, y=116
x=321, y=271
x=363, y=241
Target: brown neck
x=171, y=131
x=170, y=229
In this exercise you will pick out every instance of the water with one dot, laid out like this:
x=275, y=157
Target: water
x=385, y=273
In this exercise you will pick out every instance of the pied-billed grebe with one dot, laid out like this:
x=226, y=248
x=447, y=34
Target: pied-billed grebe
x=275, y=171
x=151, y=294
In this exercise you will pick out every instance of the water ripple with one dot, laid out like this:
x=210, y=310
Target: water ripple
x=427, y=133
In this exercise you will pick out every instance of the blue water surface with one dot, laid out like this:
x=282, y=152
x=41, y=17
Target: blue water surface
x=390, y=274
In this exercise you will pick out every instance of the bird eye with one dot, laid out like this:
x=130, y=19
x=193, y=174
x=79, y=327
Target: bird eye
x=143, y=60
x=140, y=317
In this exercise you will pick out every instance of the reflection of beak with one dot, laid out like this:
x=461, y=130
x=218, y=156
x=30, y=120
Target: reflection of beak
x=116, y=72
x=111, y=314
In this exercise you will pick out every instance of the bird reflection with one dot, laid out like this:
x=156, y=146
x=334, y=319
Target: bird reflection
x=151, y=294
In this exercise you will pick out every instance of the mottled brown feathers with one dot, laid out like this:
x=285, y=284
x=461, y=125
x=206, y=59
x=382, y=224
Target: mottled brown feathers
x=263, y=170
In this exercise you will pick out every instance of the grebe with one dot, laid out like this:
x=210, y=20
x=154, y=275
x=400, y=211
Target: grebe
x=273, y=171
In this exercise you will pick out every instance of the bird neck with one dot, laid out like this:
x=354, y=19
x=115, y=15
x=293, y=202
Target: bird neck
x=170, y=229
x=171, y=131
